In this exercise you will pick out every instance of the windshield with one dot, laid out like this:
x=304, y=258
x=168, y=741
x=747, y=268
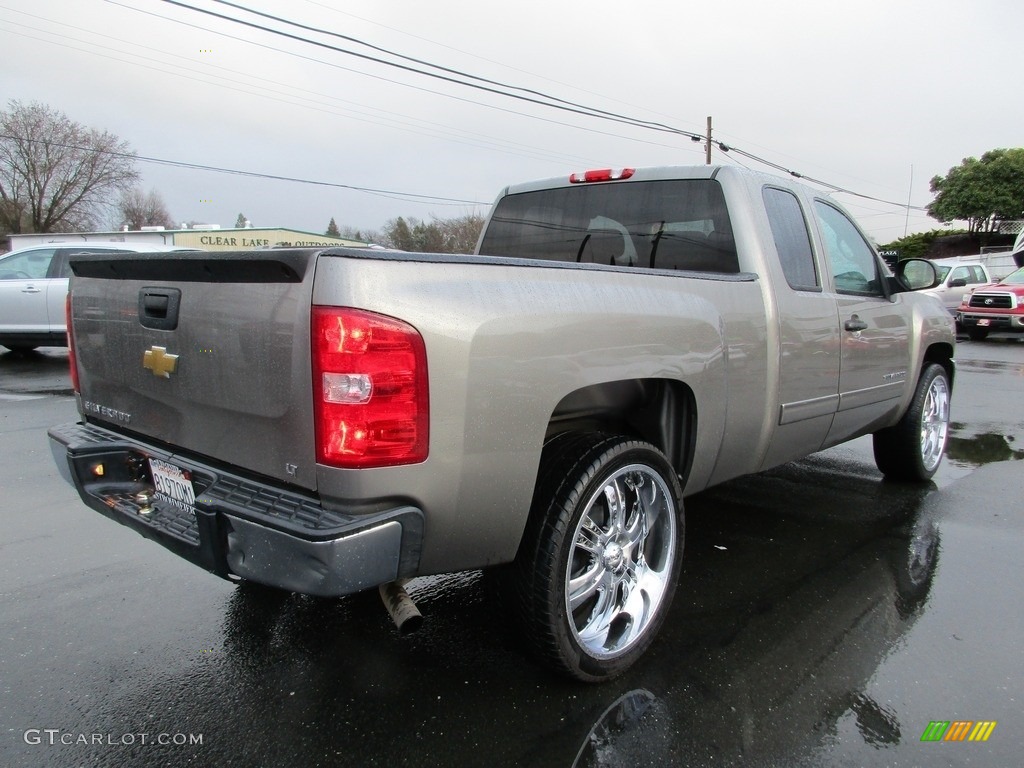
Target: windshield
x=942, y=271
x=673, y=224
x=1015, y=278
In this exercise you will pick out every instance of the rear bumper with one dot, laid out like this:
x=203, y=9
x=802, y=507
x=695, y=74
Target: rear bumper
x=238, y=527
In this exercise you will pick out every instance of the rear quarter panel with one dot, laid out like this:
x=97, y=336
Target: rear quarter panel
x=506, y=341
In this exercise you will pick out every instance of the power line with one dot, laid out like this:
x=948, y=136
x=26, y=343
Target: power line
x=554, y=102
x=408, y=196
x=551, y=101
x=422, y=62
x=314, y=101
x=477, y=56
x=484, y=84
x=811, y=179
x=388, y=80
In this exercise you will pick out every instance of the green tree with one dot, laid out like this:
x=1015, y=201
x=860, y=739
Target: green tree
x=241, y=222
x=428, y=238
x=332, y=229
x=917, y=245
x=351, y=233
x=981, y=192
x=397, y=234
x=456, y=235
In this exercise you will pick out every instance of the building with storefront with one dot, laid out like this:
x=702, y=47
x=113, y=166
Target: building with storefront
x=204, y=237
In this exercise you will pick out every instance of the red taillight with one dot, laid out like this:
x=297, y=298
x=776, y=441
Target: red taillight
x=370, y=396
x=72, y=358
x=604, y=174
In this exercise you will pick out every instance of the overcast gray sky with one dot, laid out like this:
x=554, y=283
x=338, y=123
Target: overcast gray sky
x=876, y=96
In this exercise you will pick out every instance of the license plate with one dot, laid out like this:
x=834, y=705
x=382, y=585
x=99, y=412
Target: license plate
x=172, y=483
x=984, y=322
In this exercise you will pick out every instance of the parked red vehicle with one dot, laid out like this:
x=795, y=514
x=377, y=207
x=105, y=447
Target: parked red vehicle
x=995, y=307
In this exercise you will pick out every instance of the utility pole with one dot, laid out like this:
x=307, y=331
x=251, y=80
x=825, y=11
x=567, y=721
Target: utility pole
x=707, y=147
x=910, y=194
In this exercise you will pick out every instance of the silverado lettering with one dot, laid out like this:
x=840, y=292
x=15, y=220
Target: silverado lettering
x=103, y=411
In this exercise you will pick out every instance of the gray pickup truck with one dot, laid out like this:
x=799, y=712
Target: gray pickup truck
x=330, y=421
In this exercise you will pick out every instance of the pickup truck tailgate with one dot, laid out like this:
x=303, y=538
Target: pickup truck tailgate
x=208, y=355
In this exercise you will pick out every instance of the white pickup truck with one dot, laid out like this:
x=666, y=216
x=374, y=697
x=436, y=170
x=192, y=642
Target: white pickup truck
x=957, y=278
x=328, y=421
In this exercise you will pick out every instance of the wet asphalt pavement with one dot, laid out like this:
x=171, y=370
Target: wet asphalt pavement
x=824, y=618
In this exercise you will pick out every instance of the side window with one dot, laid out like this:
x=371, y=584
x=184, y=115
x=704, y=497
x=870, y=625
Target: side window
x=31, y=265
x=977, y=275
x=960, y=273
x=59, y=265
x=792, y=240
x=854, y=266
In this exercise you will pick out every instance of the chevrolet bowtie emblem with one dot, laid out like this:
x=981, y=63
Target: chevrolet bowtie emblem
x=159, y=362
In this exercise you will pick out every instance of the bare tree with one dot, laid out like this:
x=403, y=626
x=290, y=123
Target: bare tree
x=138, y=209
x=55, y=173
x=461, y=233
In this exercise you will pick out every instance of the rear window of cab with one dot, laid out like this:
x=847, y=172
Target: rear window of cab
x=671, y=224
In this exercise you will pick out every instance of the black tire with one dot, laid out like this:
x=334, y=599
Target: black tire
x=912, y=449
x=977, y=334
x=631, y=562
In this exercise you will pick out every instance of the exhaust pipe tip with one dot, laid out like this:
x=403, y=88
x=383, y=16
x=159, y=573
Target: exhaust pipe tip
x=400, y=606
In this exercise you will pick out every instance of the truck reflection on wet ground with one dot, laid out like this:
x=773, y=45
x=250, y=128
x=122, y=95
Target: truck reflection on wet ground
x=782, y=612
x=821, y=620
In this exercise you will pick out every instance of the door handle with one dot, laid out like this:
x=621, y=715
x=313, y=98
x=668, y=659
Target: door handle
x=31, y=289
x=855, y=324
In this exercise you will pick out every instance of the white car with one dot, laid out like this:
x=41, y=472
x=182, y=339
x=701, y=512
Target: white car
x=956, y=280
x=33, y=285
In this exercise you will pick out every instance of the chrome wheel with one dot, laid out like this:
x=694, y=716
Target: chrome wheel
x=600, y=557
x=620, y=560
x=934, y=423
x=912, y=448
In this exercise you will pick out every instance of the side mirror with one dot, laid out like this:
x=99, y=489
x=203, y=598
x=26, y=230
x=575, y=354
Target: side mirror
x=960, y=282
x=917, y=274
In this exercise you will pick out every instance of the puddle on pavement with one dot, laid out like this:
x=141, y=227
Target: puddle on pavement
x=983, y=449
x=37, y=394
x=978, y=450
x=991, y=366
